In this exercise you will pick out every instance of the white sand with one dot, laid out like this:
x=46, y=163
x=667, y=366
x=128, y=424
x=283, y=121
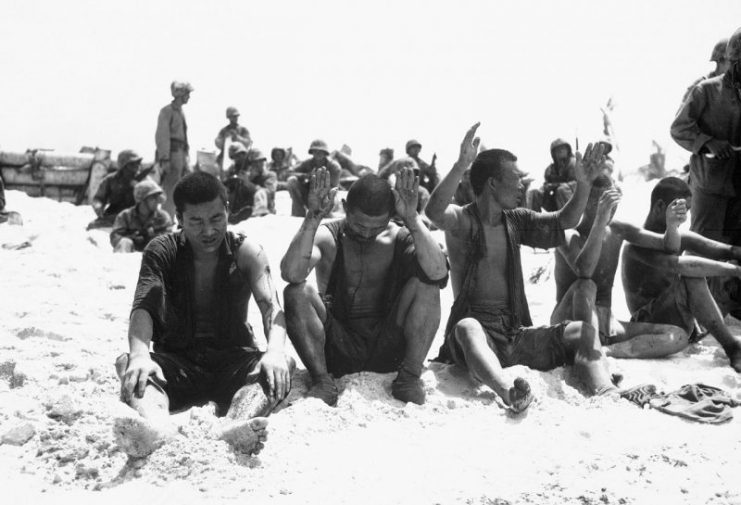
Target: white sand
x=63, y=320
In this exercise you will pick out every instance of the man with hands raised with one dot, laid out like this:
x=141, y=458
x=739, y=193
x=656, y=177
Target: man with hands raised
x=376, y=304
x=490, y=326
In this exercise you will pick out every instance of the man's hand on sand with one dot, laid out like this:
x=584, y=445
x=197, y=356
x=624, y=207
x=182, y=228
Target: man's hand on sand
x=321, y=193
x=137, y=374
x=274, y=366
x=607, y=203
x=676, y=213
x=406, y=195
x=469, y=147
x=591, y=165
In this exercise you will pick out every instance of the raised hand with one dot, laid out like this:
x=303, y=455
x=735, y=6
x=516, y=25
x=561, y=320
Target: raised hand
x=406, y=194
x=591, y=165
x=607, y=203
x=676, y=213
x=469, y=146
x=321, y=193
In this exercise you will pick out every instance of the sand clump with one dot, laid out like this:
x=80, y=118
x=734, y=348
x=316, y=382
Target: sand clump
x=63, y=321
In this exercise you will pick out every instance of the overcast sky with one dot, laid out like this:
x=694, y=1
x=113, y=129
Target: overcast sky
x=369, y=74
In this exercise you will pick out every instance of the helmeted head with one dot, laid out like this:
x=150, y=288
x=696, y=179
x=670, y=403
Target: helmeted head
x=495, y=172
x=413, y=147
x=237, y=150
x=277, y=154
x=232, y=114
x=255, y=160
x=181, y=89
x=146, y=191
x=719, y=50
x=128, y=162
x=733, y=57
x=201, y=207
x=561, y=152
x=319, y=149
x=368, y=207
x=385, y=156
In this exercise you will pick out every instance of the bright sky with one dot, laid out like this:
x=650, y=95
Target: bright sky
x=370, y=74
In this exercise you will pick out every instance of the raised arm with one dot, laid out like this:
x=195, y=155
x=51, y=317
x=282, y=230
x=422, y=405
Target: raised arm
x=669, y=242
x=439, y=209
x=303, y=253
x=583, y=260
x=688, y=266
x=587, y=169
x=253, y=261
x=429, y=254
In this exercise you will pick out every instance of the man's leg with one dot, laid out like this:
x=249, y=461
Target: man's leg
x=483, y=364
x=647, y=341
x=706, y=311
x=708, y=214
x=305, y=317
x=169, y=178
x=297, y=201
x=124, y=245
x=140, y=435
x=418, y=314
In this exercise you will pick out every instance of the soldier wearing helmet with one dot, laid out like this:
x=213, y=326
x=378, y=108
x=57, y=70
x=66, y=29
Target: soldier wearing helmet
x=236, y=132
x=252, y=187
x=137, y=225
x=709, y=126
x=116, y=190
x=298, y=182
x=721, y=65
x=171, y=138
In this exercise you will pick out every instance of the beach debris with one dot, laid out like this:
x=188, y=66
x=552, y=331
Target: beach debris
x=62, y=409
x=19, y=435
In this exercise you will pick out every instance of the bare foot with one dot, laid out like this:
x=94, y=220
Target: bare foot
x=139, y=437
x=520, y=396
x=324, y=388
x=248, y=436
x=408, y=388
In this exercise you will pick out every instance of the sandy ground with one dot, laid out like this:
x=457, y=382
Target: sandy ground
x=63, y=319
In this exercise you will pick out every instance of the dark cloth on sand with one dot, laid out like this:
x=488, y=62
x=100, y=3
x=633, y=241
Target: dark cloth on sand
x=372, y=342
x=522, y=226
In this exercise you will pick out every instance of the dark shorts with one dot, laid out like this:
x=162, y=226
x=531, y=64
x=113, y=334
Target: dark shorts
x=670, y=307
x=367, y=344
x=539, y=347
x=195, y=378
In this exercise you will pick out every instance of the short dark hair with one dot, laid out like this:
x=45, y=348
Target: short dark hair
x=197, y=188
x=669, y=189
x=371, y=195
x=488, y=164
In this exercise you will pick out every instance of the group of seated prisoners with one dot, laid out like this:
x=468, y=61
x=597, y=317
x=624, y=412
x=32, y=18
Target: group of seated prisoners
x=375, y=305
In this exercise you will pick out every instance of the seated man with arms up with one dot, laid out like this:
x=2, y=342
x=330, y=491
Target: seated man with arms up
x=191, y=302
x=490, y=326
x=377, y=306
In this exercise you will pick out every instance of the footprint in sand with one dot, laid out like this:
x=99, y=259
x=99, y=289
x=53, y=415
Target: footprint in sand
x=137, y=436
x=247, y=437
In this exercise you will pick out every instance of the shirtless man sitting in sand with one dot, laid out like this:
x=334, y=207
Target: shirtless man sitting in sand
x=489, y=326
x=585, y=271
x=377, y=306
x=669, y=288
x=191, y=302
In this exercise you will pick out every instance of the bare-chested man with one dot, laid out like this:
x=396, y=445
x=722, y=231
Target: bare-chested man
x=191, y=302
x=377, y=306
x=672, y=289
x=585, y=271
x=490, y=326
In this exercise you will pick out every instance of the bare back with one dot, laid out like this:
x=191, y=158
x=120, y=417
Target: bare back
x=642, y=280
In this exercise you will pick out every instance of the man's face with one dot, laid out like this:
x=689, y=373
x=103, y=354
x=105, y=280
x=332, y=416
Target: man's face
x=257, y=167
x=131, y=169
x=204, y=225
x=152, y=202
x=562, y=156
x=362, y=227
x=185, y=97
x=319, y=155
x=233, y=119
x=277, y=156
x=414, y=151
x=509, y=191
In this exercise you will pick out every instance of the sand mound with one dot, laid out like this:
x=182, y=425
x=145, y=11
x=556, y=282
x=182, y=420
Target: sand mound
x=63, y=320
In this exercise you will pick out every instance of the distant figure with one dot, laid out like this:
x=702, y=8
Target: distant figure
x=252, y=188
x=191, y=303
x=385, y=157
x=559, y=179
x=656, y=168
x=7, y=216
x=427, y=173
x=280, y=165
x=298, y=182
x=171, y=138
x=116, y=190
x=671, y=287
x=136, y=226
x=396, y=167
x=709, y=126
x=721, y=65
x=377, y=306
x=235, y=131
x=351, y=171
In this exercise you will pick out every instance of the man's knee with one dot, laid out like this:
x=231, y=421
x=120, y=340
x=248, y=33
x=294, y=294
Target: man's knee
x=420, y=299
x=298, y=294
x=468, y=332
x=124, y=245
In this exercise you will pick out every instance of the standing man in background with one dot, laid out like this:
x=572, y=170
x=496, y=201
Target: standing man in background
x=233, y=130
x=171, y=138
